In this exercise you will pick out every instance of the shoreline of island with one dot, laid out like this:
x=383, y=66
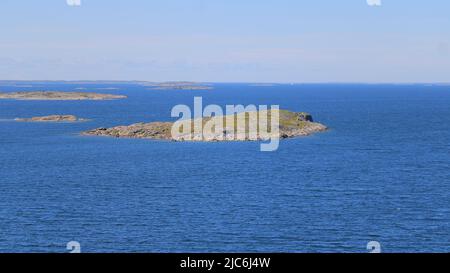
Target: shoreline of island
x=53, y=118
x=291, y=125
x=58, y=96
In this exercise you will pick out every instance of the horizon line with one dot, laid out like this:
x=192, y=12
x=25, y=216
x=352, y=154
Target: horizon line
x=223, y=82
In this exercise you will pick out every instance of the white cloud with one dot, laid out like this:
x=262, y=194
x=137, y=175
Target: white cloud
x=374, y=3
x=73, y=2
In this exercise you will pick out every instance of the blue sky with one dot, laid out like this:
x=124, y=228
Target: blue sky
x=226, y=40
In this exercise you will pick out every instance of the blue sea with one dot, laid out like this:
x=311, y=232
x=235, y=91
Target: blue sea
x=381, y=173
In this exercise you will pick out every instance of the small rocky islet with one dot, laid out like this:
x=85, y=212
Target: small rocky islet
x=52, y=118
x=291, y=124
x=57, y=95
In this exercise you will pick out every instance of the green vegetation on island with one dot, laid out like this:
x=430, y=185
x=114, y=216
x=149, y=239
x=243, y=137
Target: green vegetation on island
x=291, y=124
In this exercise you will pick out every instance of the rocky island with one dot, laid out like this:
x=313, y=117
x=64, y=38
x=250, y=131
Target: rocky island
x=52, y=118
x=291, y=124
x=56, y=95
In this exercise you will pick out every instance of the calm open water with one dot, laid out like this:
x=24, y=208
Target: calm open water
x=381, y=173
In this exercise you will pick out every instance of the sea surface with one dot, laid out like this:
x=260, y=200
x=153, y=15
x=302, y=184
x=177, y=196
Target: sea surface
x=381, y=173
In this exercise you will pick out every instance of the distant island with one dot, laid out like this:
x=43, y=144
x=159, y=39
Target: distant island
x=170, y=85
x=56, y=95
x=178, y=86
x=292, y=124
x=52, y=118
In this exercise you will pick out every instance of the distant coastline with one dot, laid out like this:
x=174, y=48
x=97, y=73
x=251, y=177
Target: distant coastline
x=28, y=83
x=179, y=86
